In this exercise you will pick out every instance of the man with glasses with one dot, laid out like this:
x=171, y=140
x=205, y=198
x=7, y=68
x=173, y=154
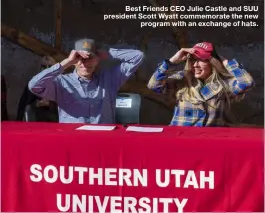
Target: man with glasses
x=88, y=94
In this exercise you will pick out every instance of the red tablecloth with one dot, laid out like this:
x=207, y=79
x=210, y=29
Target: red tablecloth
x=180, y=169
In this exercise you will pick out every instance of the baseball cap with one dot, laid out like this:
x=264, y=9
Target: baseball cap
x=90, y=46
x=204, y=50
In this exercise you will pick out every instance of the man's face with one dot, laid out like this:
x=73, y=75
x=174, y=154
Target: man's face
x=87, y=66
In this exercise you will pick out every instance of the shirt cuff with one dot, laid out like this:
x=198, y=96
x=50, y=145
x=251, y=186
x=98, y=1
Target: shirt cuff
x=233, y=64
x=164, y=66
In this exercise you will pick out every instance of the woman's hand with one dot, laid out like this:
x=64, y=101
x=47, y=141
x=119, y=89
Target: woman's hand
x=181, y=55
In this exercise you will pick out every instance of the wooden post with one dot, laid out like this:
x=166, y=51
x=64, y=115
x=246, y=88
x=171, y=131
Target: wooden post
x=58, y=24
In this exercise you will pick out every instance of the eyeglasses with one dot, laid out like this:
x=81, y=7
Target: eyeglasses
x=87, y=59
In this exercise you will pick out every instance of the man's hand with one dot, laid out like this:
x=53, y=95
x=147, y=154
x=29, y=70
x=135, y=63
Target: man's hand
x=73, y=58
x=42, y=102
x=181, y=55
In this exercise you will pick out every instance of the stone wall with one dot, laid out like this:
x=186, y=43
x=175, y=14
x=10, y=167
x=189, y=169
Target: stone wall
x=85, y=19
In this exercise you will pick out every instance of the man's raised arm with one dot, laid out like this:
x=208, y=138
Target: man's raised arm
x=44, y=83
x=130, y=61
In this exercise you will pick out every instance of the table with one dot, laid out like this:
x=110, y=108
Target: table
x=53, y=167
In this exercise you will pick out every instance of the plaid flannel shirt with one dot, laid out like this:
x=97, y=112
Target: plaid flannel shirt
x=210, y=112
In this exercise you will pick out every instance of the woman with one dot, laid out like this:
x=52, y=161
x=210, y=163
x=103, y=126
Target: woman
x=209, y=84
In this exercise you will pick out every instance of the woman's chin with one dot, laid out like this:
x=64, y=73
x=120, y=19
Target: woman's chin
x=197, y=76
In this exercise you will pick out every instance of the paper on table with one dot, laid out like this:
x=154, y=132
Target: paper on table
x=91, y=127
x=144, y=129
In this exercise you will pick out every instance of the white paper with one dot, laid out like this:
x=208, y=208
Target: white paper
x=95, y=128
x=124, y=102
x=144, y=129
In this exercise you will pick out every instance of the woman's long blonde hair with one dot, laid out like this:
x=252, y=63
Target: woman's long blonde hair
x=219, y=75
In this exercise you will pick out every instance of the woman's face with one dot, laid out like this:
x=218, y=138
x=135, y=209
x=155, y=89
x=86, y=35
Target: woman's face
x=202, y=69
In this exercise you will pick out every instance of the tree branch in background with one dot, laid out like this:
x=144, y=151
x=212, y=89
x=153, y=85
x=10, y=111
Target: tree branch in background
x=31, y=43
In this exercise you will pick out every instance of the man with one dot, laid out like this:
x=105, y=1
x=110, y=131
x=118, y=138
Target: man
x=87, y=95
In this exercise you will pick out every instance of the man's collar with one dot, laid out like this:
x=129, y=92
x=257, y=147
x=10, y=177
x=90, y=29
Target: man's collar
x=82, y=79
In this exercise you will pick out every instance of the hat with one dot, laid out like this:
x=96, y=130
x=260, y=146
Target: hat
x=90, y=46
x=204, y=51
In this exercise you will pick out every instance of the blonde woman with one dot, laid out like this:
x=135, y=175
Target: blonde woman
x=206, y=86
